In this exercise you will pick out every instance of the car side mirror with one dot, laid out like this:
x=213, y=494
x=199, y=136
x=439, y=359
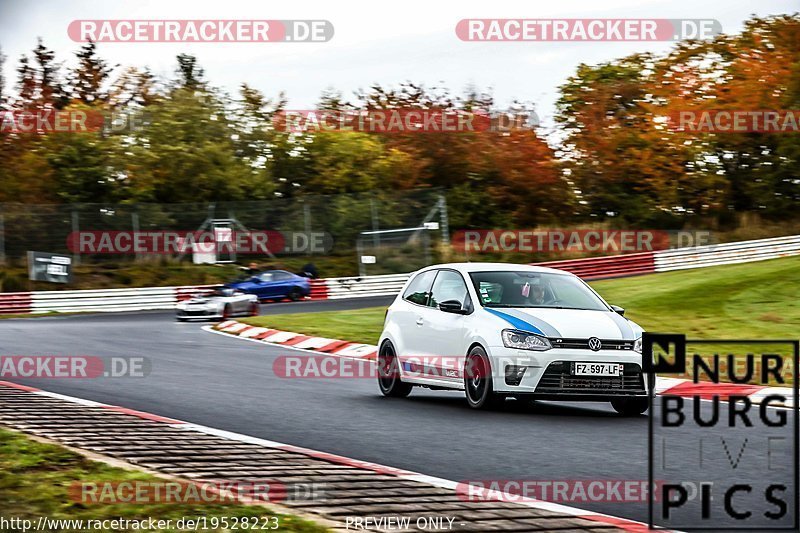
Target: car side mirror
x=617, y=309
x=452, y=306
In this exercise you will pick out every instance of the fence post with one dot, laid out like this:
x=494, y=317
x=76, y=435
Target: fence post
x=307, y=224
x=233, y=225
x=376, y=240
x=362, y=269
x=443, y=220
x=135, y=226
x=76, y=256
x=2, y=239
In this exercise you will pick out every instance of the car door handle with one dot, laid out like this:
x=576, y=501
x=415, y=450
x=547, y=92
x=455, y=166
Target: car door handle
x=419, y=321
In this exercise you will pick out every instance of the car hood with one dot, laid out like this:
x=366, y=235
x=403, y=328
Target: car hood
x=568, y=323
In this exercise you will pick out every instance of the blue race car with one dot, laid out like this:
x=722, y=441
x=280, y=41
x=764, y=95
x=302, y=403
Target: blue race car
x=274, y=285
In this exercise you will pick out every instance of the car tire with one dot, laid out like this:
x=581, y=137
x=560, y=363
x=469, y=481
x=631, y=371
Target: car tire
x=254, y=310
x=389, y=380
x=478, y=384
x=630, y=406
x=227, y=311
x=295, y=294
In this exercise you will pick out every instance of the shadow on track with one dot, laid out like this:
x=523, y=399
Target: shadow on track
x=456, y=403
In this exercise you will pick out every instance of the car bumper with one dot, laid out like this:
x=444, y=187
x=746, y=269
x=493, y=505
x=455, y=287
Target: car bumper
x=548, y=374
x=187, y=314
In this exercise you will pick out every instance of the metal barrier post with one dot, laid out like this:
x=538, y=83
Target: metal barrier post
x=443, y=221
x=76, y=256
x=2, y=239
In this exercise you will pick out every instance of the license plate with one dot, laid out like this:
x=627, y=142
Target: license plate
x=597, y=369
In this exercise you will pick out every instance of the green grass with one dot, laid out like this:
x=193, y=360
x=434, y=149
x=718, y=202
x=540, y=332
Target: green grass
x=35, y=478
x=27, y=315
x=752, y=300
x=358, y=325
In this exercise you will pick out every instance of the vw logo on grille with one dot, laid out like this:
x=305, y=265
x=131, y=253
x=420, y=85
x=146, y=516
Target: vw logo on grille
x=595, y=344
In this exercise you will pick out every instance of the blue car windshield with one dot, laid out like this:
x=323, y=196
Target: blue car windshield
x=534, y=289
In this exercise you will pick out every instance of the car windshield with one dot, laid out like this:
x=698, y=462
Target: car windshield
x=534, y=289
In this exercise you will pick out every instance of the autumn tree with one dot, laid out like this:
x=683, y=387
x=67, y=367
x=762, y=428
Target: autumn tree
x=90, y=75
x=754, y=70
x=185, y=151
x=26, y=83
x=133, y=89
x=49, y=89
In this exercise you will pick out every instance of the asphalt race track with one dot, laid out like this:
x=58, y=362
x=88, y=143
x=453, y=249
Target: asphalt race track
x=228, y=383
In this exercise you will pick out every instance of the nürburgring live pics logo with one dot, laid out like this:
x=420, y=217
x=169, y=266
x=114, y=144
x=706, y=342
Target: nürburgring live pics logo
x=725, y=448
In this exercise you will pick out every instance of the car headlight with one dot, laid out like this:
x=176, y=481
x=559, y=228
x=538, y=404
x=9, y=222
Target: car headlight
x=637, y=345
x=523, y=340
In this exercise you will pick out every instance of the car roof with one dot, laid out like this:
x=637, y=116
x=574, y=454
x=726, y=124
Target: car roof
x=496, y=267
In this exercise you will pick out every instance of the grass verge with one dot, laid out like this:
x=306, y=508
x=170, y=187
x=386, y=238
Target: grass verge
x=35, y=478
x=357, y=325
x=751, y=300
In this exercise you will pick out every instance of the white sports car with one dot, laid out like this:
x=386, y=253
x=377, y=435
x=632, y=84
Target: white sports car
x=223, y=302
x=500, y=330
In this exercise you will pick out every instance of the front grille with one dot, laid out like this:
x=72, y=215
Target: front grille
x=201, y=312
x=583, y=344
x=558, y=380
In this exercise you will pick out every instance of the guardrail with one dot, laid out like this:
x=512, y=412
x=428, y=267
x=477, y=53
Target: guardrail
x=613, y=266
x=145, y=298
x=355, y=287
x=15, y=302
x=319, y=289
x=726, y=254
x=109, y=300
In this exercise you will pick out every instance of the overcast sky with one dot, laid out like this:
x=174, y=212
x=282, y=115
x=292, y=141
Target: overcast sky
x=375, y=41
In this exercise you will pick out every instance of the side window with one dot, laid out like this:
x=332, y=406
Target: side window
x=281, y=276
x=449, y=285
x=419, y=288
x=266, y=276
